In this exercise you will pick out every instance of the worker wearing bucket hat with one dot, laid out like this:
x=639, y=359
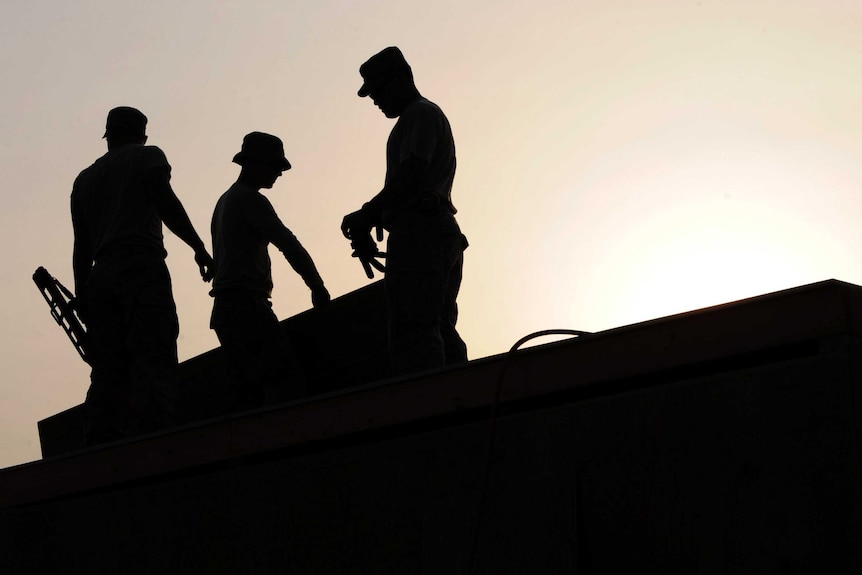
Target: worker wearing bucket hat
x=261, y=365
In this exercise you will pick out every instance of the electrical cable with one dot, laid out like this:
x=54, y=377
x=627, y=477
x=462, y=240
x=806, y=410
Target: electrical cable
x=486, y=474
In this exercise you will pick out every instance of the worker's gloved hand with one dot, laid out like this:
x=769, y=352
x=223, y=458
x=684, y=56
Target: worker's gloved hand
x=365, y=249
x=356, y=224
x=319, y=297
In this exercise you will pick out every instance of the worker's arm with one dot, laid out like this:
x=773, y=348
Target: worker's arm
x=270, y=226
x=402, y=188
x=174, y=216
x=82, y=259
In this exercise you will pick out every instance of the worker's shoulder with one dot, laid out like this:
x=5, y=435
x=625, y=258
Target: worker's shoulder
x=423, y=111
x=149, y=155
x=83, y=176
x=423, y=105
x=138, y=155
x=88, y=173
x=240, y=197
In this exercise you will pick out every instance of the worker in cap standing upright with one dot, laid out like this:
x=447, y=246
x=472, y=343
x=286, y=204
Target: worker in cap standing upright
x=260, y=363
x=424, y=255
x=122, y=283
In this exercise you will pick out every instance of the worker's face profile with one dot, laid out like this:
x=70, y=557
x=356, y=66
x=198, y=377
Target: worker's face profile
x=383, y=96
x=272, y=173
x=265, y=174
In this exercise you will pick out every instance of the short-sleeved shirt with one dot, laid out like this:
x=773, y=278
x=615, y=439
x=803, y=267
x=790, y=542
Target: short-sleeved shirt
x=423, y=131
x=112, y=203
x=243, y=225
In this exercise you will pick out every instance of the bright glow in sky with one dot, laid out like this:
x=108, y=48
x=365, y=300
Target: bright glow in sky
x=618, y=161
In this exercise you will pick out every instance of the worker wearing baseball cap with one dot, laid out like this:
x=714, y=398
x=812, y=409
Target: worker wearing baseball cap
x=122, y=283
x=424, y=254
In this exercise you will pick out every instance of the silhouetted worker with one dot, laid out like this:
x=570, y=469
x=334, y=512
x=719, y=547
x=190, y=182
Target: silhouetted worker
x=424, y=255
x=260, y=363
x=122, y=283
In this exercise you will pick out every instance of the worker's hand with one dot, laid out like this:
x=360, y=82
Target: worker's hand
x=356, y=224
x=319, y=297
x=206, y=265
x=80, y=307
x=365, y=249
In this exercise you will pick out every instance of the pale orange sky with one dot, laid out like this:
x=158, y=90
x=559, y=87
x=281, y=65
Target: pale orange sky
x=618, y=161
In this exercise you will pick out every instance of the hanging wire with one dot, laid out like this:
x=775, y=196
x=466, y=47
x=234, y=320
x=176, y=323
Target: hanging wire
x=492, y=435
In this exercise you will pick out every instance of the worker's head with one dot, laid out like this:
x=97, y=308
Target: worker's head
x=388, y=79
x=125, y=125
x=262, y=159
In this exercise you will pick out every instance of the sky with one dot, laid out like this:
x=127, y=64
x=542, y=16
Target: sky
x=618, y=161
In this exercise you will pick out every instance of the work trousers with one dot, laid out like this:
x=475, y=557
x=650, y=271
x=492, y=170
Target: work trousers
x=132, y=322
x=424, y=263
x=260, y=363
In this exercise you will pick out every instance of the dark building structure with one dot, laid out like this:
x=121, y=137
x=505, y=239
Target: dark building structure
x=723, y=440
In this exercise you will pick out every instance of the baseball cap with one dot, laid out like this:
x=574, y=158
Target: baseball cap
x=378, y=68
x=125, y=121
